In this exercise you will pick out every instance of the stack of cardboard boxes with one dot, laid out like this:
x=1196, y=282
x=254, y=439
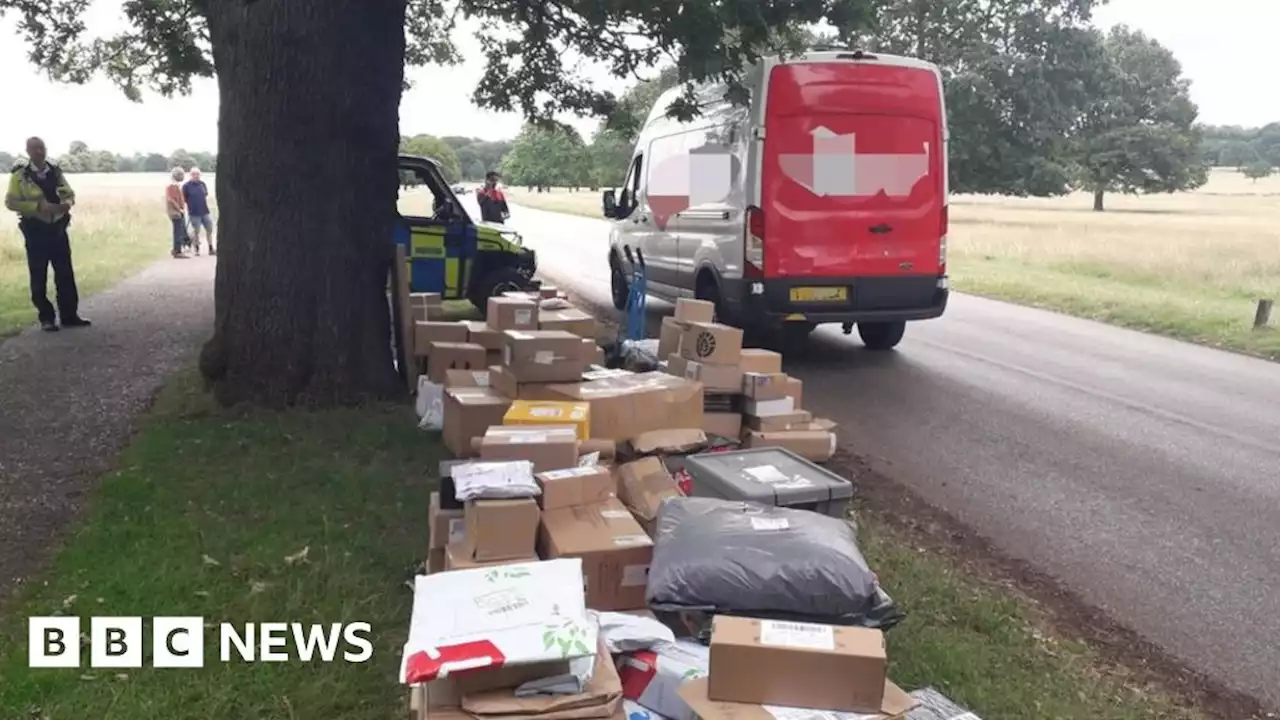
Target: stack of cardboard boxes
x=748, y=397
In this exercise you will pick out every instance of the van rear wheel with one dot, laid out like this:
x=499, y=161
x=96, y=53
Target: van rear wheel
x=881, y=335
x=618, y=285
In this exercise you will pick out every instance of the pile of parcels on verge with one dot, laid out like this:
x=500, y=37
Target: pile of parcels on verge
x=637, y=546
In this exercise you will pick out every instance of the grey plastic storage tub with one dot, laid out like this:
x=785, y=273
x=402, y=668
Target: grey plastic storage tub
x=769, y=476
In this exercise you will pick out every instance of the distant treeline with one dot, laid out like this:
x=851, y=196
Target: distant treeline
x=80, y=159
x=1239, y=147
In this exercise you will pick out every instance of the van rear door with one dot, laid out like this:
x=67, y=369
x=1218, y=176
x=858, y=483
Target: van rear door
x=853, y=182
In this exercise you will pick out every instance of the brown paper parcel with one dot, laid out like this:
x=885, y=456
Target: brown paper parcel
x=601, y=699
x=694, y=692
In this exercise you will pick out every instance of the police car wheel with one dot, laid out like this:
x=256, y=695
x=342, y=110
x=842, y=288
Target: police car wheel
x=496, y=283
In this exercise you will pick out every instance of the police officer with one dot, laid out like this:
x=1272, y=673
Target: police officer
x=39, y=193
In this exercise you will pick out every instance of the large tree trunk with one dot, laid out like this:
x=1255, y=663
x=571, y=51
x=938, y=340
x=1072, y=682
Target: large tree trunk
x=1097, y=201
x=308, y=135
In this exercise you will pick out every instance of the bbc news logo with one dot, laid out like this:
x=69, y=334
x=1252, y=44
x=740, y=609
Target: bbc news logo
x=179, y=642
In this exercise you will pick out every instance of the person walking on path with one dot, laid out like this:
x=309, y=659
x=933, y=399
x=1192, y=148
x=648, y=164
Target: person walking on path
x=196, y=193
x=176, y=206
x=38, y=191
x=492, y=201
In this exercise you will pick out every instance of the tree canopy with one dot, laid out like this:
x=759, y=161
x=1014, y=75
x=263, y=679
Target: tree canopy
x=547, y=156
x=436, y=149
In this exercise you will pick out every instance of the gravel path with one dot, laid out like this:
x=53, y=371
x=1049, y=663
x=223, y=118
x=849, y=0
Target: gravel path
x=69, y=399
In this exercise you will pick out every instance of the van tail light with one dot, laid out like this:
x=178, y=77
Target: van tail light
x=945, y=224
x=753, y=243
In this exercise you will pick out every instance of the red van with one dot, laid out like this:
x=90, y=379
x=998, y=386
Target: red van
x=822, y=201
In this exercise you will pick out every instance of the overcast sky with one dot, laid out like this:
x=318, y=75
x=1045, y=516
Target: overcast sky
x=1222, y=50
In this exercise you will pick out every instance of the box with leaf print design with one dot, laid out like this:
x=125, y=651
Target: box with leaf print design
x=500, y=616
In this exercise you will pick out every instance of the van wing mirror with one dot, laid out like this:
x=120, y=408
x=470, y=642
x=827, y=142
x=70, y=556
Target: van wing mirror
x=610, y=203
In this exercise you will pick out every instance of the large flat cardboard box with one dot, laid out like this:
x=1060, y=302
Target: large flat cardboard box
x=760, y=360
x=615, y=551
x=508, y=313
x=642, y=486
x=430, y=331
x=793, y=664
x=551, y=447
x=570, y=320
x=466, y=378
x=724, y=424
x=446, y=356
x=572, y=487
x=669, y=337
x=502, y=529
x=626, y=405
x=714, y=378
x=712, y=344
x=446, y=524
x=546, y=356
x=458, y=557
x=764, y=386
x=776, y=423
x=690, y=311
x=481, y=334
x=468, y=413
x=812, y=445
x=534, y=413
x=895, y=705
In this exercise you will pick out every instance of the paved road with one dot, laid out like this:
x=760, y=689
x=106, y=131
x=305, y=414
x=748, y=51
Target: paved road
x=1142, y=472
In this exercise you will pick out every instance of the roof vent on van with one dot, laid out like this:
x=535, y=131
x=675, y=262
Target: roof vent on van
x=856, y=55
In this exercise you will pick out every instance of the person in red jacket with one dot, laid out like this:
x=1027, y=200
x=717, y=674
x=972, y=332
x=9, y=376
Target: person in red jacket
x=493, y=203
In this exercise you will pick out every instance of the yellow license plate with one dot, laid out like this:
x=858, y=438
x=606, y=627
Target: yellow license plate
x=819, y=294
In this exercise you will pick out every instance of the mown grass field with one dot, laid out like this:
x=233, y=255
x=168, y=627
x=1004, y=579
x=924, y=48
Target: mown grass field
x=319, y=517
x=118, y=226
x=1188, y=265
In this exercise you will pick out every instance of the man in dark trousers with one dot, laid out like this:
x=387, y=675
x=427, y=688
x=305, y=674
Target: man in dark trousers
x=493, y=203
x=39, y=193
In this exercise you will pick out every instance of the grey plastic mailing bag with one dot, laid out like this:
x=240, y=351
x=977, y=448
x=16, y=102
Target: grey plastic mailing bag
x=721, y=556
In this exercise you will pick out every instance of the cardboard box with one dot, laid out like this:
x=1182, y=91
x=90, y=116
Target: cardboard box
x=776, y=423
x=528, y=413
x=458, y=557
x=768, y=408
x=818, y=424
x=601, y=698
x=615, y=551
x=669, y=337
x=435, y=560
x=468, y=413
x=803, y=665
x=570, y=320
x=727, y=425
x=478, y=333
x=508, y=313
x=551, y=447
x=764, y=386
x=795, y=390
x=501, y=380
x=694, y=692
x=501, y=529
x=812, y=445
x=466, y=378
x=652, y=677
x=642, y=486
x=689, y=311
x=431, y=331
x=445, y=356
x=712, y=343
x=547, y=292
x=627, y=405
x=671, y=441
x=714, y=378
x=572, y=487
x=446, y=524
x=547, y=356
x=424, y=306
x=761, y=361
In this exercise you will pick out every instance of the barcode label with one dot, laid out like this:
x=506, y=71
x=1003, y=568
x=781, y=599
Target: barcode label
x=767, y=474
x=614, y=514
x=631, y=540
x=544, y=412
x=799, y=635
x=758, y=523
x=524, y=317
x=591, y=460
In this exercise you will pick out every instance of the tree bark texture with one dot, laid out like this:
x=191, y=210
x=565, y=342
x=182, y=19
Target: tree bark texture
x=1097, y=201
x=308, y=134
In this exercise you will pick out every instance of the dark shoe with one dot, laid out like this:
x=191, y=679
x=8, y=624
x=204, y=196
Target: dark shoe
x=179, y=256
x=75, y=321
x=212, y=252
x=48, y=326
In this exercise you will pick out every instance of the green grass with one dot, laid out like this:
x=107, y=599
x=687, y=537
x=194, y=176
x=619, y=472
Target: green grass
x=207, y=504
x=199, y=520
